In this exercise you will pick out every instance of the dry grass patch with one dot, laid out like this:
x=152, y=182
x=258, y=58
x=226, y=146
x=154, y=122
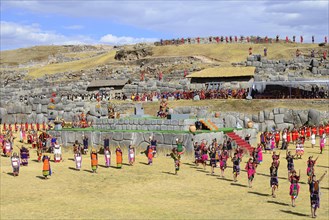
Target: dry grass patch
x=152, y=192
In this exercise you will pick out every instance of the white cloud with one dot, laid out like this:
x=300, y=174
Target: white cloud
x=15, y=35
x=111, y=39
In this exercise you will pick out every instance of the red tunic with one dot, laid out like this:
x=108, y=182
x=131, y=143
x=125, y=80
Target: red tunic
x=314, y=130
x=321, y=131
x=327, y=129
x=288, y=136
x=308, y=132
x=277, y=137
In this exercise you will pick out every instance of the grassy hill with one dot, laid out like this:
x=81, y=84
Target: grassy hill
x=224, y=54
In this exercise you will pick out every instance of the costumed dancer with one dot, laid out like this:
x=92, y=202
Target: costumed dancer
x=176, y=156
x=212, y=155
x=274, y=182
x=107, y=155
x=251, y=170
x=46, y=170
x=15, y=163
x=222, y=161
x=57, y=152
x=259, y=153
x=204, y=154
x=197, y=154
x=322, y=142
x=275, y=158
x=39, y=150
x=78, y=160
x=299, y=149
x=25, y=155
x=118, y=153
x=131, y=155
x=153, y=145
x=85, y=144
x=294, y=186
x=180, y=147
x=290, y=162
x=310, y=167
x=313, y=140
x=7, y=148
x=315, y=193
x=236, y=166
x=94, y=160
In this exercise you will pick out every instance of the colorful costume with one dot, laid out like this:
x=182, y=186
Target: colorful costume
x=274, y=176
x=315, y=193
x=290, y=163
x=46, y=170
x=57, y=153
x=131, y=155
x=236, y=165
x=78, y=161
x=25, y=155
x=94, y=161
x=294, y=187
x=176, y=158
x=15, y=163
x=251, y=170
x=118, y=153
x=107, y=155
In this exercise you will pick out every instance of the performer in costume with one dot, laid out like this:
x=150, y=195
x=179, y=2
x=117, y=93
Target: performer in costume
x=25, y=155
x=314, y=187
x=274, y=182
x=39, y=150
x=131, y=155
x=251, y=170
x=176, y=156
x=204, y=155
x=322, y=142
x=57, y=152
x=153, y=143
x=290, y=162
x=259, y=153
x=180, y=147
x=107, y=155
x=313, y=140
x=236, y=166
x=197, y=154
x=7, y=148
x=94, y=160
x=212, y=155
x=310, y=167
x=15, y=163
x=78, y=160
x=118, y=153
x=46, y=170
x=299, y=148
x=294, y=186
x=85, y=144
x=222, y=162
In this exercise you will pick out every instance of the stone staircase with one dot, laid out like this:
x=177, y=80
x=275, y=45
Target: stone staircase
x=240, y=142
x=209, y=125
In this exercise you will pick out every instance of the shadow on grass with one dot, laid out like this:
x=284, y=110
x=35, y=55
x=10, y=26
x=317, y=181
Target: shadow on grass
x=103, y=166
x=263, y=174
x=89, y=171
x=238, y=184
x=322, y=166
x=2, y=155
x=73, y=168
x=259, y=194
x=10, y=174
x=35, y=160
x=294, y=213
x=144, y=163
x=40, y=177
x=203, y=171
x=169, y=173
x=126, y=164
x=190, y=164
x=327, y=188
x=72, y=159
x=278, y=203
x=228, y=180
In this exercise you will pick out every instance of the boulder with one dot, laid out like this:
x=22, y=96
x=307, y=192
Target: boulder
x=303, y=116
x=288, y=117
x=278, y=118
x=3, y=113
x=261, y=116
x=314, y=117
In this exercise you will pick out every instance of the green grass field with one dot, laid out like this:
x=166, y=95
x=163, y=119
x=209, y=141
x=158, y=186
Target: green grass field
x=153, y=192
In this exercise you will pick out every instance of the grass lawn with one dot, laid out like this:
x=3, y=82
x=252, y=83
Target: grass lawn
x=153, y=192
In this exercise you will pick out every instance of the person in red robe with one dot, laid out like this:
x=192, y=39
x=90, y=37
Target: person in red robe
x=9, y=127
x=314, y=130
x=321, y=130
x=217, y=39
x=198, y=40
x=266, y=39
x=38, y=126
x=44, y=126
x=182, y=40
x=325, y=54
x=308, y=133
x=301, y=39
x=277, y=139
x=160, y=76
x=248, y=39
x=287, y=39
x=16, y=127
x=26, y=126
x=327, y=129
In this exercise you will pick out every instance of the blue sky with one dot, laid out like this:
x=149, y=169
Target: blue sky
x=29, y=23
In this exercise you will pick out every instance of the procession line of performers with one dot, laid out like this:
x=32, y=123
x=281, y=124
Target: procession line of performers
x=219, y=154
